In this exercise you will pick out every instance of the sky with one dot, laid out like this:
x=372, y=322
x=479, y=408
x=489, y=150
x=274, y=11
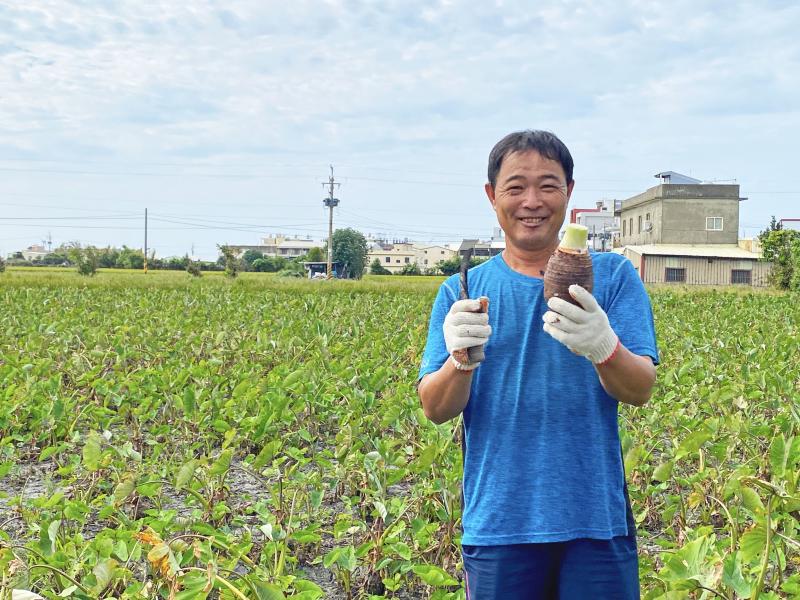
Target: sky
x=222, y=118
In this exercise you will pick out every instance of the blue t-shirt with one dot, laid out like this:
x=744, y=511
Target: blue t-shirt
x=542, y=456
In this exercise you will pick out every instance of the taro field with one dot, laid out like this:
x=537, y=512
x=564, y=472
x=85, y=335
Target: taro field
x=162, y=437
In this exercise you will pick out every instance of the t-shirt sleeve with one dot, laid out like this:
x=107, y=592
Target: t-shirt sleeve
x=435, y=353
x=630, y=313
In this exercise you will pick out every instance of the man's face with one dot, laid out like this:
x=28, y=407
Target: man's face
x=530, y=199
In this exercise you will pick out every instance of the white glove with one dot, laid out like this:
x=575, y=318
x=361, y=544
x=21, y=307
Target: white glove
x=586, y=330
x=466, y=327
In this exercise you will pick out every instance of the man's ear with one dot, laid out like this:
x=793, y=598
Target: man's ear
x=490, y=193
x=570, y=187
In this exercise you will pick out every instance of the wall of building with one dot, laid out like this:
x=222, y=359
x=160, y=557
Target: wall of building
x=684, y=221
x=704, y=271
x=650, y=210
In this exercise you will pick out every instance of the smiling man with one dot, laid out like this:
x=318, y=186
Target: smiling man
x=546, y=509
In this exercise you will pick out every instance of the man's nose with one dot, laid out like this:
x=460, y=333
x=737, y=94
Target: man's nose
x=531, y=198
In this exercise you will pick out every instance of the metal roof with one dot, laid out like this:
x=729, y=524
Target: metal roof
x=673, y=177
x=699, y=250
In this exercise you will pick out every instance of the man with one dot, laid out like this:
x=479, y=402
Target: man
x=546, y=511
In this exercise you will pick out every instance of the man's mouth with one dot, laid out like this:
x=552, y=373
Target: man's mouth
x=532, y=220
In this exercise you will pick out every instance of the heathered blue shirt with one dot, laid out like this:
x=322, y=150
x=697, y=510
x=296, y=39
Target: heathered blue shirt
x=542, y=455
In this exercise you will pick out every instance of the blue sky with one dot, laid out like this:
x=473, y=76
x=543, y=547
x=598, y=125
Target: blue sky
x=222, y=117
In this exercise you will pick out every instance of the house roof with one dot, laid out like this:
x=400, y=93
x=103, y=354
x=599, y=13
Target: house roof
x=699, y=250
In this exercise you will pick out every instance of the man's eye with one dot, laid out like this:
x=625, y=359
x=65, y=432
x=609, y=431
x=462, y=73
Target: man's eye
x=514, y=189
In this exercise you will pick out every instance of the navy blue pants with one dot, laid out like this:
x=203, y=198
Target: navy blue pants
x=580, y=569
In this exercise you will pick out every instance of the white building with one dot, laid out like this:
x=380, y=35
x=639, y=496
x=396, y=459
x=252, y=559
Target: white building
x=601, y=223
x=397, y=255
x=284, y=246
x=34, y=252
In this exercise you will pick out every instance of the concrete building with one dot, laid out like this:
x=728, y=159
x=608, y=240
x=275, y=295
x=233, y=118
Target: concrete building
x=284, y=246
x=686, y=232
x=706, y=264
x=681, y=213
x=484, y=249
x=34, y=252
x=601, y=221
x=396, y=255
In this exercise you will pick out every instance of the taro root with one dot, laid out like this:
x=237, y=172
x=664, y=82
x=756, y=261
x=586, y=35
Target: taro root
x=569, y=264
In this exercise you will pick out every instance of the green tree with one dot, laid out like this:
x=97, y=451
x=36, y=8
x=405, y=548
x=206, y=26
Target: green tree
x=2, y=264
x=130, y=258
x=781, y=247
x=452, y=266
x=376, y=268
x=193, y=267
x=410, y=269
x=316, y=254
x=249, y=257
x=84, y=259
x=269, y=264
x=228, y=257
x=350, y=249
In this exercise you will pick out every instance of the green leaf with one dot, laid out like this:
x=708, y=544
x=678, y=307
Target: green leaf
x=693, y=442
x=222, y=464
x=92, y=452
x=266, y=455
x=753, y=543
x=189, y=402
x=751, y=500
x=434, y=576
x=732, y=576
x=124, y=489
x=268, y=591
x=426, y=458
x=185, y=474
x=778, y=455
x=104, y=573
x=663, y=471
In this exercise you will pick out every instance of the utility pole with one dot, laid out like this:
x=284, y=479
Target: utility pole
x=330, y=202
x=145, y=241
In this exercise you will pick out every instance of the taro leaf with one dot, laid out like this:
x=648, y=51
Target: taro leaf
x=751, y=500
x=104, y=573
x=753, y=543
x=687, y=562
x=124, y=489
x=185, y=474
x=792, y=585
x=693, y=442
x=92, y=452
x=47, y=538
x=778, y=455
x=194, y=587
x=434, y=576
x=222, y=464
x=663, y=471
x=267, y=453
x=189, y=403
x=402, y=550
x=425, y=459
x=732, y=576
x=267, y=591
x=5, y=468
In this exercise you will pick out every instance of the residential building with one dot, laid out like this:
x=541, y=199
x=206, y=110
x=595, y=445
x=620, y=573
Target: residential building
x=394, y=256
x=484, y=249
x=601, y=221
x=284, y=246
x=685, y=231
x=34, y=252
x=681, y=213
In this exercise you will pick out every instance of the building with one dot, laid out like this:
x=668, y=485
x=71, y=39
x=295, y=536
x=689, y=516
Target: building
x=601, y=221
x=494, y=246
x=395, y=256
x=681, y=213
x=685, y=231
x=701, y=264
x=283, y=246
x=34, y=252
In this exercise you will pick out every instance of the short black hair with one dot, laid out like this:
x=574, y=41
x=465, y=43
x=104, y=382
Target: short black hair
x=536, y=140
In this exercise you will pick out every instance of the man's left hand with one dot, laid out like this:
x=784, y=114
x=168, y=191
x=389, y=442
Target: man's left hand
x=584, y=330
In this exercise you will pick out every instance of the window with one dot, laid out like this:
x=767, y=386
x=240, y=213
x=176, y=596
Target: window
x=397, y=261
x=442, y=251
x=630, y=226
x=713, y=223
x=623, y=228
x=426, y=261
x=674, y=275
x=388, y=259
x=640, y=225
x=647, y=217
x=741, y=276
x=408, y=260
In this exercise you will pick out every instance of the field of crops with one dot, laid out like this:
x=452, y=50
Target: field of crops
x=162, y=437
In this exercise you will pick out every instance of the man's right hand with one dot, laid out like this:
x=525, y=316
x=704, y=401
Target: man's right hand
x=466, y=326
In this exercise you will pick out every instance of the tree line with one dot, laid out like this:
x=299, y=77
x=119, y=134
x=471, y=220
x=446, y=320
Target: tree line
x=782, y=248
